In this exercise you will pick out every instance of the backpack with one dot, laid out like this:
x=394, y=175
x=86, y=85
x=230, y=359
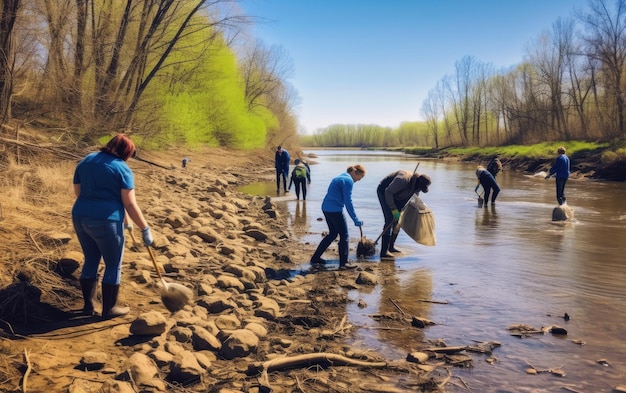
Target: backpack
x=300, y=171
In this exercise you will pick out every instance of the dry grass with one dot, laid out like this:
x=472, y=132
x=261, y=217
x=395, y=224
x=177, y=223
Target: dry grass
x=28, y=194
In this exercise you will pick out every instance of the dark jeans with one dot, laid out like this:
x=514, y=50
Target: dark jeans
x=281, y=174
x=299, y=183
x=386, y=211
x=337, y=225
x=489, y=183
x=560, y=190
x=101, y=239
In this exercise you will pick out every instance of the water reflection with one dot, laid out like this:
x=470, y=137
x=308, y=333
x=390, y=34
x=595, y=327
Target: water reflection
x=300, y=219
x=487, y=219
x=495, y=268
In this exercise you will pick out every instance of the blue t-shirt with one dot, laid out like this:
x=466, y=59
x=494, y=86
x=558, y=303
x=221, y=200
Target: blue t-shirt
x=339, y=194
x=102, y=177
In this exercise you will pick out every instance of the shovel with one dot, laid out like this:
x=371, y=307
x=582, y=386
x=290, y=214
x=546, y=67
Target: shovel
x=174, y=296
x=365, y=247
x=480, y=198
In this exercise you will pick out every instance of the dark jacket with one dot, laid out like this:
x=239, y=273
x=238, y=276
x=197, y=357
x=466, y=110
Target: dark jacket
x=281, y=162
x=399, y=187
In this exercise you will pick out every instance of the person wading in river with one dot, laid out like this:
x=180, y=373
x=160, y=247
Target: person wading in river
x=394, y=191
x=338, y=196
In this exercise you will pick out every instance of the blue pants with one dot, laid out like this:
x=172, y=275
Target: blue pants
x=281, y=173
x=489, y=182
x=386, y=235
x=560, y=190
x=101, y=239
x=337, y=226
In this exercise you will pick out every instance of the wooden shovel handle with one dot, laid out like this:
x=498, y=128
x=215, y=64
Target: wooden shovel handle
x=156, y=267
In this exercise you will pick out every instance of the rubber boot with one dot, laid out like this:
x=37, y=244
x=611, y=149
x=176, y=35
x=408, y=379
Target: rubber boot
x=392, y=241
x=89, y=293
x=384, y=247
x=109, y=300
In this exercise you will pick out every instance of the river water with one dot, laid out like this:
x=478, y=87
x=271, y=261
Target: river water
x=491, y=268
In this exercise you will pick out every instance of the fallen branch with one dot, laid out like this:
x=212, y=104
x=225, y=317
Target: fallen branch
x=433, y=301
x=322, y=358
x=398, y=307
x=26, y=373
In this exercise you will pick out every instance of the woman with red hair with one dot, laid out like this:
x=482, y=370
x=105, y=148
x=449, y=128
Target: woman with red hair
x=105, y=197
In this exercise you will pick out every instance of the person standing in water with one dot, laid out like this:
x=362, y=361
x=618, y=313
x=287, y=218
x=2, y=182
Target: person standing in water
x=338, y=196
x=394, y=191
x=281, y=163
x=486, y=179
x=561, y=169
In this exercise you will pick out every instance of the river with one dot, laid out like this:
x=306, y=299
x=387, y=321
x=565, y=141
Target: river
x=492, y=268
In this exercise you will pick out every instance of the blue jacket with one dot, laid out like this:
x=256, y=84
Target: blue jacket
x=560, y=167
x=339, y=194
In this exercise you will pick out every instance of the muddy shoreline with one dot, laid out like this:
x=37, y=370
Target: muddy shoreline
x=253, y=326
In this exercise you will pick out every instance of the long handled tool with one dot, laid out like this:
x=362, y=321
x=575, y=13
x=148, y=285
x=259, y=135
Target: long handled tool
x=480, y=197
x=174, y=296
x=365, y=247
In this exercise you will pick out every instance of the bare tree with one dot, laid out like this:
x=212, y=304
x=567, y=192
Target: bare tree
x=605, y=41
x=432, y=114
x=548, y=57
x=263, y=71
x=7, y=56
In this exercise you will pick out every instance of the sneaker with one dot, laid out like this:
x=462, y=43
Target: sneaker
x=318, y=261
x=347, y=266
x=387, y=257
x=394, y=250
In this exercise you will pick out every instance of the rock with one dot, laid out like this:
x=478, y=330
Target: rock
x=186, y=369
x=151, y=323
x=93, y=360
x=161, y=358
x=257, y=234
x=562, y=213
x=225, y=282
x=113, y=386
x=216, y=303
x=239, y=343
x=267, y=308
x=256, y=328
x=227, y=322
x=202, y=339
x=366, y=278
x=143, y=372
x=417, y=357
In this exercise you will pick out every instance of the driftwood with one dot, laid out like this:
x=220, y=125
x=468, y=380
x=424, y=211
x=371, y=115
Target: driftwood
x=321, y=358
x=446, y=350
x=433, y=301
x=27, y=372
x=56, y=150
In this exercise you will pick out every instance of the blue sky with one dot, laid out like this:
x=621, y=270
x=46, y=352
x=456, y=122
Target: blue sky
x=373, y=62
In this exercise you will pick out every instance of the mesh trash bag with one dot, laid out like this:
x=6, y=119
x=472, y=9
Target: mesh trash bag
x=418, y=222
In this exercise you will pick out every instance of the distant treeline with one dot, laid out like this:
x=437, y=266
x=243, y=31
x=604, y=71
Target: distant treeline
x=571, y=85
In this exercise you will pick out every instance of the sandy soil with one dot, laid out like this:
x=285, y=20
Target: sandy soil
x=251, y=327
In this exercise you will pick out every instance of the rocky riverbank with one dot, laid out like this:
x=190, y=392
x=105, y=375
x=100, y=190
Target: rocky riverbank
x=254, y=325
